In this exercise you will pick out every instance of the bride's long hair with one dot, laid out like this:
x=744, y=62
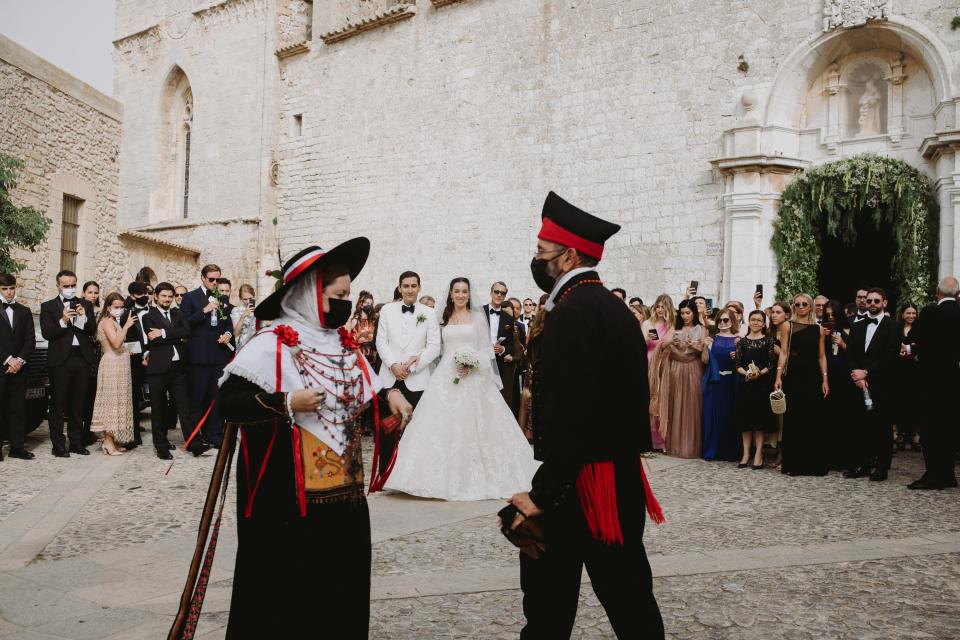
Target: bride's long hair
x=448, y=310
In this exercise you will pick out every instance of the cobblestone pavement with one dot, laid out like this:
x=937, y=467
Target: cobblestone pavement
x=743, y=554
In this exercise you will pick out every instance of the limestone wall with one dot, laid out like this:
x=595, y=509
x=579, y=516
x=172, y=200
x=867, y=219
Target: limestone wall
x=439, y=136
x=68, y=134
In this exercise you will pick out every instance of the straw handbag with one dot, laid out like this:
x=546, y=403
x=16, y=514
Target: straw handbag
x=778, y=402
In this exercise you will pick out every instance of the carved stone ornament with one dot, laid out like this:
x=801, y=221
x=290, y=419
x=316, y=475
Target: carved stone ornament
x=274, y=173
x=178, y=21
x=853, y=13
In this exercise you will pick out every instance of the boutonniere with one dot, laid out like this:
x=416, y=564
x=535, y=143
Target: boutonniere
x=421, y=318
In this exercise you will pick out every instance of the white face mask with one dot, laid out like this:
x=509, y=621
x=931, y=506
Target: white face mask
x=69, y=293
x=116, y=313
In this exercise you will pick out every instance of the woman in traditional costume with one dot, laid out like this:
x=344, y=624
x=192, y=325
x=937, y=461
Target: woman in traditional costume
x=294, y=393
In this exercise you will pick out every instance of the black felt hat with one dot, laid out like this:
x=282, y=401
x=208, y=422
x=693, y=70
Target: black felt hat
x=351, y=255
x=570, y=226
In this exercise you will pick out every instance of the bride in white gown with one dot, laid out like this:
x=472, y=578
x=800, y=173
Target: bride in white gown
x=463, y=442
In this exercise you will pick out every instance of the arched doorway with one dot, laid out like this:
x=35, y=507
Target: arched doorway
x=868, y=220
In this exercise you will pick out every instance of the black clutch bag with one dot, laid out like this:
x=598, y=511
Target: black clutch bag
x=528, y=536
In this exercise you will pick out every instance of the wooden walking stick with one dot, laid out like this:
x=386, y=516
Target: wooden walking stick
x=191, y=601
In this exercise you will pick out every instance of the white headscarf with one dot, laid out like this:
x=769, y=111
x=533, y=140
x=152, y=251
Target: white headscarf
x=256, y=361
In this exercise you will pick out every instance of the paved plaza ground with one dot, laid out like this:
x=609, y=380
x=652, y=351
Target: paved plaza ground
x=98, y=547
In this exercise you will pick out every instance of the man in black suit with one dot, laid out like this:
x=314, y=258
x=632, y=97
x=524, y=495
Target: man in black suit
x=68, y=325
x=873, y=351
x=590, y=397
x=166, y=331
x=209, y=347
x=501, y=335
x=937, y=348
x=16, y=344
x=137, y=303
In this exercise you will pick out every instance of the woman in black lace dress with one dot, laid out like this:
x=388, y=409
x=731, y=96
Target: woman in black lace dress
x=752, y=415
x=802, y=373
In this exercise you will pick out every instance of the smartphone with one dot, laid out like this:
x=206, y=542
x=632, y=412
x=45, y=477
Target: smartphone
x=760, y=290
x=653, y=334
x=73, y=304
x=500, y=340
x=694, y=284
x=252, y=303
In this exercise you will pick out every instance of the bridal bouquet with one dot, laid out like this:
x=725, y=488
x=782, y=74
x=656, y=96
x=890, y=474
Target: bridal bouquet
x=466, y=359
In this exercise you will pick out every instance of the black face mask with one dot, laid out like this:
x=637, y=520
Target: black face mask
x=339, y=313
x=368, y=309
x=538, y=268
x=141, y=301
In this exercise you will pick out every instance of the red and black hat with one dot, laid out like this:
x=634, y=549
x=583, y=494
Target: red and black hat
x=351, y=255
x=565, y=224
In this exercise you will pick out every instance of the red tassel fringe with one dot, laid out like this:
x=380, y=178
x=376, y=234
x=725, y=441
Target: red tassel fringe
x=597, y=489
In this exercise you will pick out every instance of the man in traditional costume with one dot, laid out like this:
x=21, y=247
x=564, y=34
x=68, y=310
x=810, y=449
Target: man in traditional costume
x=590, y=396
x=295, y=392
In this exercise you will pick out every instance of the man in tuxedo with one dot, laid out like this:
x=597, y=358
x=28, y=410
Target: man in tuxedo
x=209, y=347
x=166, y=331
x=861, y=302
x=818, y=304
x=937, y=348
x=590, y=397
x=137, y=304
x=16, y=344
x=873, y=352
x=501, y=335
x=178, y=292
x=68, y=324
x=408, y=341
x=529, y=312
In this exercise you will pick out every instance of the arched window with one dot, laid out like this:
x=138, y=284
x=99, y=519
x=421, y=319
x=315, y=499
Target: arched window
x=172, y=196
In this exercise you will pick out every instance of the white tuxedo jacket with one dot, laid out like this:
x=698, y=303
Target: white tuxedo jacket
x=399, y=339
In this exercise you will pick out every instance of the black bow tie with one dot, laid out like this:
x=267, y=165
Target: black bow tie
x=8, y=305
x=406, y=309
x=494, y=312
x=870, y=320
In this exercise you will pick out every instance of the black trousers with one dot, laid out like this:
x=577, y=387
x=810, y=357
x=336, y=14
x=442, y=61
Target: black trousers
x=619, y=574
x=138, y=376
x=389, y=444
x=174, y=382
x=13, y=402
x=202, y=379
x=939, y=437
x=876, y=438
x=68, y=386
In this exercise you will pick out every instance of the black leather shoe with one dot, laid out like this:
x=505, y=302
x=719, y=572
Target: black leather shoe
x=21, y=453
x=82, y=451
x=924, y=484
x=60, y=452
x=859, y=472
x=878, y=476
x=198, y=449
x=164, y=454
x=742, y=465
x=171, y=447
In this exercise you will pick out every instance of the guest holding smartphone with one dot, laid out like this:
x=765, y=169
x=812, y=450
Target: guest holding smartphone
x=113, y=410
x=841, y=406
x=244, y=322
x=906, y=414
x=657, y=330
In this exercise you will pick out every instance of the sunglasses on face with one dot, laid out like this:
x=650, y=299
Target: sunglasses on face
x=498, y=292
x=874, y=301
x=801, y=304
x=178, y=295
x=723, y=321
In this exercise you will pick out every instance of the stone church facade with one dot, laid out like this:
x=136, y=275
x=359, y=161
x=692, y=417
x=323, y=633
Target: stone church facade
x=436, y=127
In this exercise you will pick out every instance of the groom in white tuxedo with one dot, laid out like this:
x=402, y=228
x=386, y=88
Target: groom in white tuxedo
x=408, y=341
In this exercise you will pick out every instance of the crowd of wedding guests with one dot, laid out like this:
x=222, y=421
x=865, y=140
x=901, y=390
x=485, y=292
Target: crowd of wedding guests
x=110, y=355
x=823, y=384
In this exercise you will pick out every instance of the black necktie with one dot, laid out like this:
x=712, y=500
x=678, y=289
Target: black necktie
x=494, y=311
x=166, y=316
x=407, y=309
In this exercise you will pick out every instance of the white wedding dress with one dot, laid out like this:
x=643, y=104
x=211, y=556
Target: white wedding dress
x=463, y=442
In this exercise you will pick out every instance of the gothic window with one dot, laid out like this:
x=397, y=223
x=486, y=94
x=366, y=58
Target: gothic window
x=186, y=126
x=171, y=196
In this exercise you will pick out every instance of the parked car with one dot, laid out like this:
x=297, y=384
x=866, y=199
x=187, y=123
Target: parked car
x=38, y=386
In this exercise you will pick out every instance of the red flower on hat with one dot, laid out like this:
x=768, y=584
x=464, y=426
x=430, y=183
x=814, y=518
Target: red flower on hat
x=347, y=341
x=287, y=334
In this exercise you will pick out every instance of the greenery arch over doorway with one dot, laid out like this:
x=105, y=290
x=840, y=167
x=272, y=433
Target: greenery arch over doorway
x=828, y=198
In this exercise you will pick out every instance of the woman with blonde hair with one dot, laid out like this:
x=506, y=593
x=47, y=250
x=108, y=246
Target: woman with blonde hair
x=802, y=374
x=657, y=330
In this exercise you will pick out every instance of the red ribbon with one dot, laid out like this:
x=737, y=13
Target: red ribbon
x=552, y=232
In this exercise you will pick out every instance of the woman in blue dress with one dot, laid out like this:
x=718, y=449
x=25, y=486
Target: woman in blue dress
x=720, y=390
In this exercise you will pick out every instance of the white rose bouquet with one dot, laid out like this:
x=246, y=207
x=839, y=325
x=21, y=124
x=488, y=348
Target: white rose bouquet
x=466, y=359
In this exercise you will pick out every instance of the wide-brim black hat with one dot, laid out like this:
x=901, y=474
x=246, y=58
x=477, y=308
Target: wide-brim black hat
x=351, y=255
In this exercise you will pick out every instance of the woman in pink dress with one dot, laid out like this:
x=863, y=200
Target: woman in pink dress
x=657, y=330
